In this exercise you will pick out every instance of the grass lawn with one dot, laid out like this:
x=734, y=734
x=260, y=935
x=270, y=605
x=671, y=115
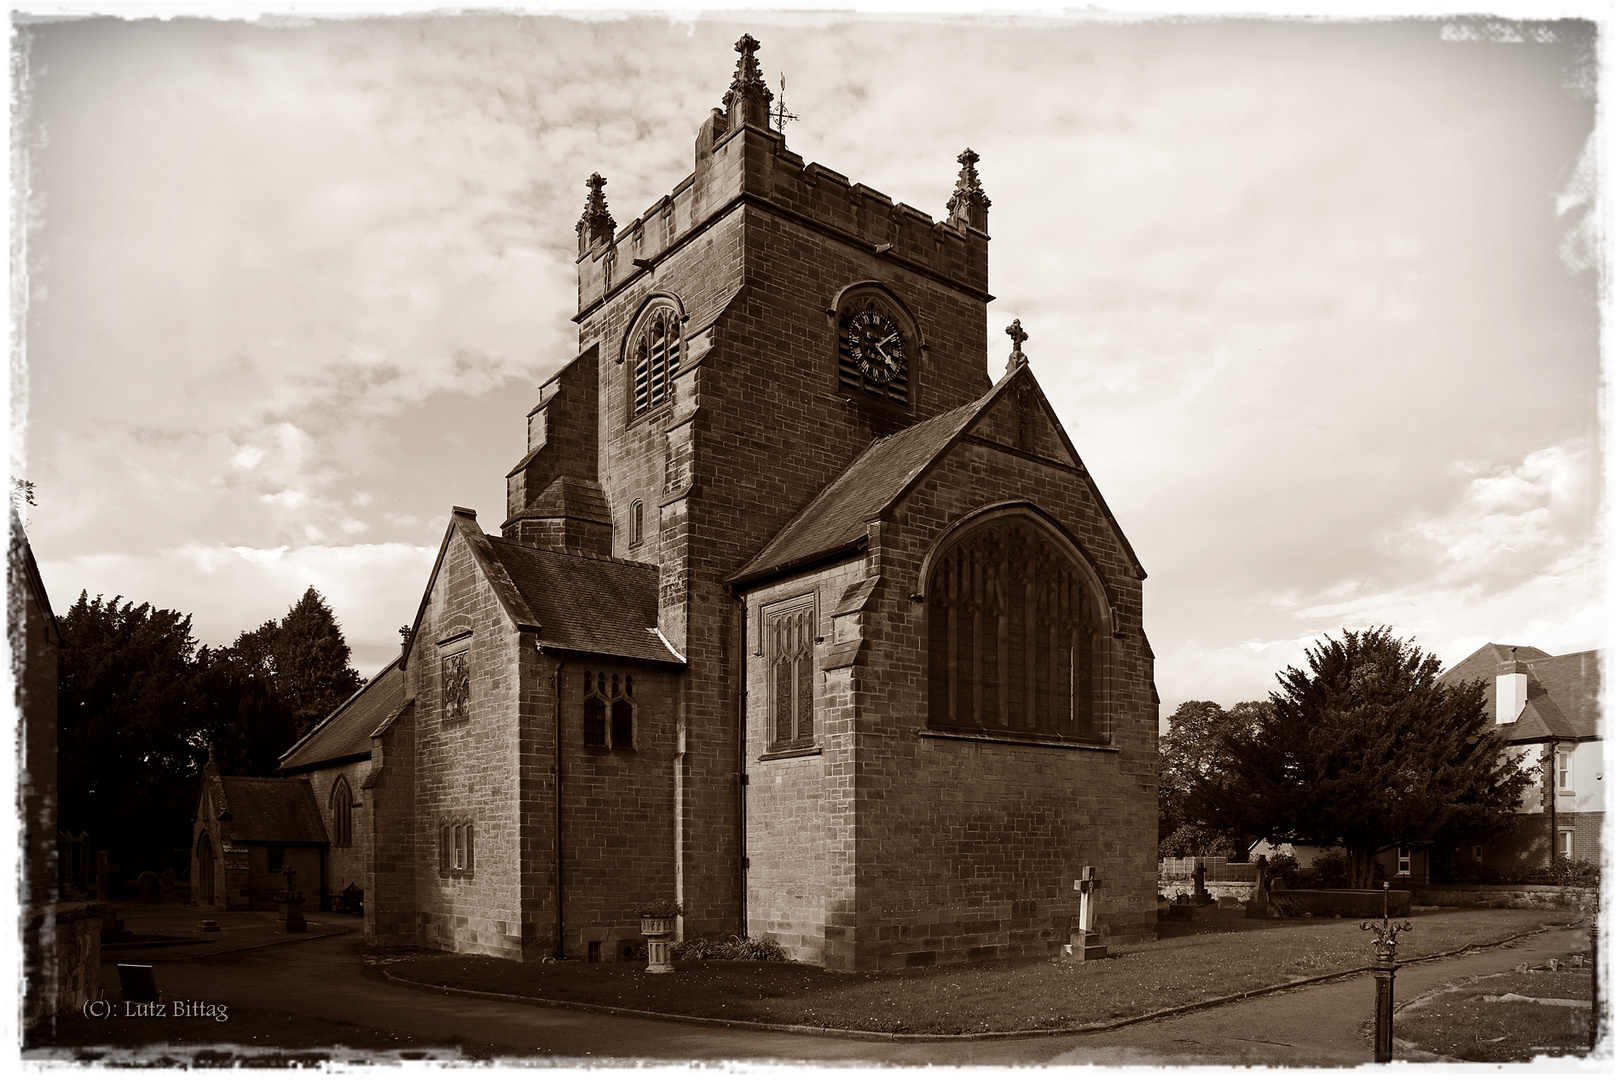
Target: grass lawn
x=1218, y=953
x=1482, y=1020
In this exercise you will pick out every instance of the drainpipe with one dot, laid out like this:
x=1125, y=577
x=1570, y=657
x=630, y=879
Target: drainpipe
x=1552, y=807
x=556, y=785
x=680, y=827
x=742, y=771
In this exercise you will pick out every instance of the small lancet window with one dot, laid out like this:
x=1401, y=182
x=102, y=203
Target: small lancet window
x=656, y=350
x=635, y=523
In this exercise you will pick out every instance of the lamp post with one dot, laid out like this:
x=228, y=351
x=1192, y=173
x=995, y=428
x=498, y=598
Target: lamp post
x=1384, y=975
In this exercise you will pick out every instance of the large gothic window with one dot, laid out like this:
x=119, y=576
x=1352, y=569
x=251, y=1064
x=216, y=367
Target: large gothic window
x=655, y=351
x=1013, y=636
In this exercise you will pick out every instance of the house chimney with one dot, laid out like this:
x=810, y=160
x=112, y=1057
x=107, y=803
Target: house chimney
x=1512, y=687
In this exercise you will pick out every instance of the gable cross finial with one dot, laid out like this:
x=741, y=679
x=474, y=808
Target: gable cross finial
x=595, y=223
x=1017, y=359
x=968, y=204
x=749, y=99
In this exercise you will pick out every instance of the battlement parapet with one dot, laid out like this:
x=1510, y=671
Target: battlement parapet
x=751, y=165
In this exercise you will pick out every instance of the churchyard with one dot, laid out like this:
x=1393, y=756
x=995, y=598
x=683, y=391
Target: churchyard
x=1217, y=955
x=1486, y=1011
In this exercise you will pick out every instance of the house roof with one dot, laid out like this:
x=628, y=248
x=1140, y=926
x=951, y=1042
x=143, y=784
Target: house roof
x=571, y=603
x=835, y=521
x=606, y=607
x=346, y=733
x=1561, y=700
x=272, y=810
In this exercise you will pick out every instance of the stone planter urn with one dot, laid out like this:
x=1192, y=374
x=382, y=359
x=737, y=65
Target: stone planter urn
x=658, y=927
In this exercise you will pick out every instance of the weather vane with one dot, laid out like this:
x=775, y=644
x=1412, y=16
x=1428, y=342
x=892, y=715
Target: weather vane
x=782, y=115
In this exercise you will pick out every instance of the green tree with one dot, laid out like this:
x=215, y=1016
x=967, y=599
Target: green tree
x=1367, y=749
x=1190, y=750
x=303, y=659
x=128, y=724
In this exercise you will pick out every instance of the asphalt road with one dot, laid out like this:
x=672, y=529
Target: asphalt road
x=326, y=980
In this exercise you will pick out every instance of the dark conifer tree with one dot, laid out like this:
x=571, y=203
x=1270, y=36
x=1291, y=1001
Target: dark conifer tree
x=1367, y=749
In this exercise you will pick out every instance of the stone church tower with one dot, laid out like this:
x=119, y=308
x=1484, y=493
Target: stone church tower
x=794, y=616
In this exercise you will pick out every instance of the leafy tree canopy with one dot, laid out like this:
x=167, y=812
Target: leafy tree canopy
x=1190, y=750
x=1367, y=749
x=140, y=704
x=303, y=658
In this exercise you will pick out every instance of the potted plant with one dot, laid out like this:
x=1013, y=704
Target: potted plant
x=658, y=917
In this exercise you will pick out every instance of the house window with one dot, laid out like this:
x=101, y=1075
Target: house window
x=1477, y=853
x=456, y=848
x=655, y=350
x=274, y=859
x=457, y=685
x=610, y=710
x=342, y=814
x=1013, y=641
x=635, y=523
x=1566, y=843
x=792, y=656
x=1403, y=862
x=1562, y=760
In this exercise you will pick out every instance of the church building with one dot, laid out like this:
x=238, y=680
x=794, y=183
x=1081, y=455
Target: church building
x=794, y=616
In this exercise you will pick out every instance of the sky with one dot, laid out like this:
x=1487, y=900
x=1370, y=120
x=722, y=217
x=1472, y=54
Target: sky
x=1317, y=302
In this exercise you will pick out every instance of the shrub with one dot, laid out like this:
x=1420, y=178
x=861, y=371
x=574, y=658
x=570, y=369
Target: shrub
x=1571, y=874
x=732, y=948
x=659, y=909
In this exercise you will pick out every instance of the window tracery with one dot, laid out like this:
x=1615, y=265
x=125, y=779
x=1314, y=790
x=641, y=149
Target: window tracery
x=792, y=654
x=1013, y=637
x=609, y=711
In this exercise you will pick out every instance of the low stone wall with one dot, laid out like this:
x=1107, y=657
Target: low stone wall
x=62, y=957
x=1218, y=890
x=1344, y=903
x=1506, y=896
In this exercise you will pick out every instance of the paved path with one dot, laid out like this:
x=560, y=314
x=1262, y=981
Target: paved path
x=325, y=978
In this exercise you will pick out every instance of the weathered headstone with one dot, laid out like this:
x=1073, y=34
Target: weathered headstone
x=1087, y=943
x=1200, y=894
x=289, y=913
x=148, y=886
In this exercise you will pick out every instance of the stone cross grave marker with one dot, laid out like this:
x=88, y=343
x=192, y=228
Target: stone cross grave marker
x=1087, y=944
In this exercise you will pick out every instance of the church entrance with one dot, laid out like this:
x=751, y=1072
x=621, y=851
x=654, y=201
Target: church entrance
x=205, y=871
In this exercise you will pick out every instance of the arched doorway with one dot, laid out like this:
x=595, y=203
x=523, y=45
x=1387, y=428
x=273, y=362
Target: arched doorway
x=205, y=871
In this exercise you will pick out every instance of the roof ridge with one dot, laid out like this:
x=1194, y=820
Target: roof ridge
x=519, y=545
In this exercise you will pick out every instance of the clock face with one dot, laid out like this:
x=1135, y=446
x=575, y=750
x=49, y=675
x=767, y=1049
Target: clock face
x=874, y=344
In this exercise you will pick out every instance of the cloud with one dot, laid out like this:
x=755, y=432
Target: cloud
x=372, y=588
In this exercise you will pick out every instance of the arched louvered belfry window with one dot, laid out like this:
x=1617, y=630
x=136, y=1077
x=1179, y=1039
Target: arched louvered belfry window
x=1017, y=640
x=655, y=351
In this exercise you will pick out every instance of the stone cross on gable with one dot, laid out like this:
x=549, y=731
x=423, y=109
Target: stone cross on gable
x=1087, y=886
x=1016, y=332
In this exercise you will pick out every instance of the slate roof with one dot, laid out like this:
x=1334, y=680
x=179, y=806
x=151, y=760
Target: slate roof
x=836, y=518
x=272, y=810
x=606, y=607
x=1562, y=692
x=346, y=733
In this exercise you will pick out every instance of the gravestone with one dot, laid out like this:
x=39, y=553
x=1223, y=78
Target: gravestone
x=290, y=902
x=1087, y=943
x=148, y=887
